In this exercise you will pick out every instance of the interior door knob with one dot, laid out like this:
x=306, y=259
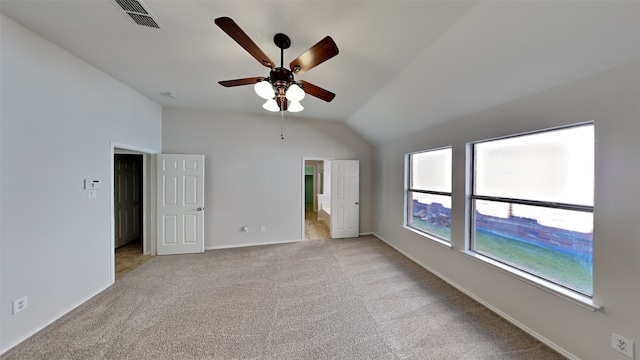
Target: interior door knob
x=357, y=203
x=200, y=209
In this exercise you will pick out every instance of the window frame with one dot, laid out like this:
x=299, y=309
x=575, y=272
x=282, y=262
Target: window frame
x=550, y=285
x=408, y=196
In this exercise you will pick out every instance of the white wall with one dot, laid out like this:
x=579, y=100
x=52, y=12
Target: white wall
x=253, y=178
x=59, y=115
x=612, y=100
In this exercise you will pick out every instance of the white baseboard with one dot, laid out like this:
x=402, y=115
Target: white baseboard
x=251, y=244
x=217, y=247
x=52, y=319
x=513, y=321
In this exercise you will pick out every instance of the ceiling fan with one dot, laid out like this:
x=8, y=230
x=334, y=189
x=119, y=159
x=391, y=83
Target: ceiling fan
x=280, y=89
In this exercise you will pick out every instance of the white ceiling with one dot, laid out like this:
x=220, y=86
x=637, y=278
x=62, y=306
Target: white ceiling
x=403, y=65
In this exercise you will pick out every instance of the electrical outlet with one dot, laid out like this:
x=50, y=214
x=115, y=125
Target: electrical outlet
x=623, y=345
x=20, y=304
x=263, y=228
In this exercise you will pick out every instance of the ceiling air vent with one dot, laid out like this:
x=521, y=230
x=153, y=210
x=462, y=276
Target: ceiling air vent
x=136, y=12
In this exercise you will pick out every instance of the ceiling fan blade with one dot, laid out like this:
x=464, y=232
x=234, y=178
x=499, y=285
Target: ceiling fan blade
x=317, y=91
x=324, y=50
x=232, y=29
x=239, y=82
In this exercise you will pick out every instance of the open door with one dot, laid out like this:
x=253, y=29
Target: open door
x=345, y=195
x=127, y=194
x=180, y=191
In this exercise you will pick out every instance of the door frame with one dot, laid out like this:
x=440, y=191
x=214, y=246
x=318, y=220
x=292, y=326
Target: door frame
x=315, y=179
x=148, y=199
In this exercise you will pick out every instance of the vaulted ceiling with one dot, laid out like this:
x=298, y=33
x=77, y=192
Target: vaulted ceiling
x=403, y=65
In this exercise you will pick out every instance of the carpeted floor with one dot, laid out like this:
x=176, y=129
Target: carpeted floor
x=323, y=299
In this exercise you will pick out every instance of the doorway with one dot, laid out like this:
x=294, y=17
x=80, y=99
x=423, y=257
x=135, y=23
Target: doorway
x=129, y=207
x=127, y=197
x=132, y=208
x=309, y=188
x=313, y=227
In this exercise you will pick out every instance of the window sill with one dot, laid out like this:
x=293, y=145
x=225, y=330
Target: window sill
x=542, y=284
x=433, y=238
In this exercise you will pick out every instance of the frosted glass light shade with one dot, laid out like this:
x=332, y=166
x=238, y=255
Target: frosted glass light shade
x=295, y=106
x=264, y=90
x=295, y=93
x=271, y=105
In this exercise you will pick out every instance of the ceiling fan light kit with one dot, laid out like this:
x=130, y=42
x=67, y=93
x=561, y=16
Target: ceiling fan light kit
x=264, y=89
x=280, y=89
x=295, y=93
x=295, y=106
x=271, y=105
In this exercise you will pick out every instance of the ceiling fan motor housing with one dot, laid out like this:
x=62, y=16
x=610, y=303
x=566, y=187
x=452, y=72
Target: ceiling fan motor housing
x=281, y=77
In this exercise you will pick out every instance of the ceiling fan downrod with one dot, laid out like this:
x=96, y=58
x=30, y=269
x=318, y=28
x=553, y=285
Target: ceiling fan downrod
x=283, y=42
x=281, y=77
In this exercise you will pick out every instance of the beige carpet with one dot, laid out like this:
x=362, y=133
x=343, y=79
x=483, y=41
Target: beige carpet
x=323, y=299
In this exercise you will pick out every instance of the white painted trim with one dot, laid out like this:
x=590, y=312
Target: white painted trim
x=134, y=148
x=253, y=244
x=302, y=226
x=149, y=237
x=548, y=286
x=513, y=321
x=52, y=320
x=427, y=235
x=148, y=215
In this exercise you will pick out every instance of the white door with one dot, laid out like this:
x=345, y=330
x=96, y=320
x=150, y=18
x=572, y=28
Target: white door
x=345, y=198
x=180, y=204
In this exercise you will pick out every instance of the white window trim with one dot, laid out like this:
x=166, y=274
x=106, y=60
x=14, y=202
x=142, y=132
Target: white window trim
x=548, y=286
x=428, y=236
x=407, y=189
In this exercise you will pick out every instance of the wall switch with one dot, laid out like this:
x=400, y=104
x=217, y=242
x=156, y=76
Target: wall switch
x=623, y=345
x=245, y=229
x=92, y=184
x=20, y=304
x=263, y=228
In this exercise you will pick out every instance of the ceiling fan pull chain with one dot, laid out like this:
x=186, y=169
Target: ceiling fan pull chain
x=281, y=121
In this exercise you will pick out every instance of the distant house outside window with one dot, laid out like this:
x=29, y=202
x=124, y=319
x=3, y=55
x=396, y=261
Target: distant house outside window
x=428, y=194
x=532, y=204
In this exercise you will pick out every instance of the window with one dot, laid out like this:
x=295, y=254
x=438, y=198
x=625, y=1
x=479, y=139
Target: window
x=428, y=193
x=532, y=204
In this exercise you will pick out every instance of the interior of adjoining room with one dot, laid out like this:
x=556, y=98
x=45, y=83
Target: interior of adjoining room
x=317, y=199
